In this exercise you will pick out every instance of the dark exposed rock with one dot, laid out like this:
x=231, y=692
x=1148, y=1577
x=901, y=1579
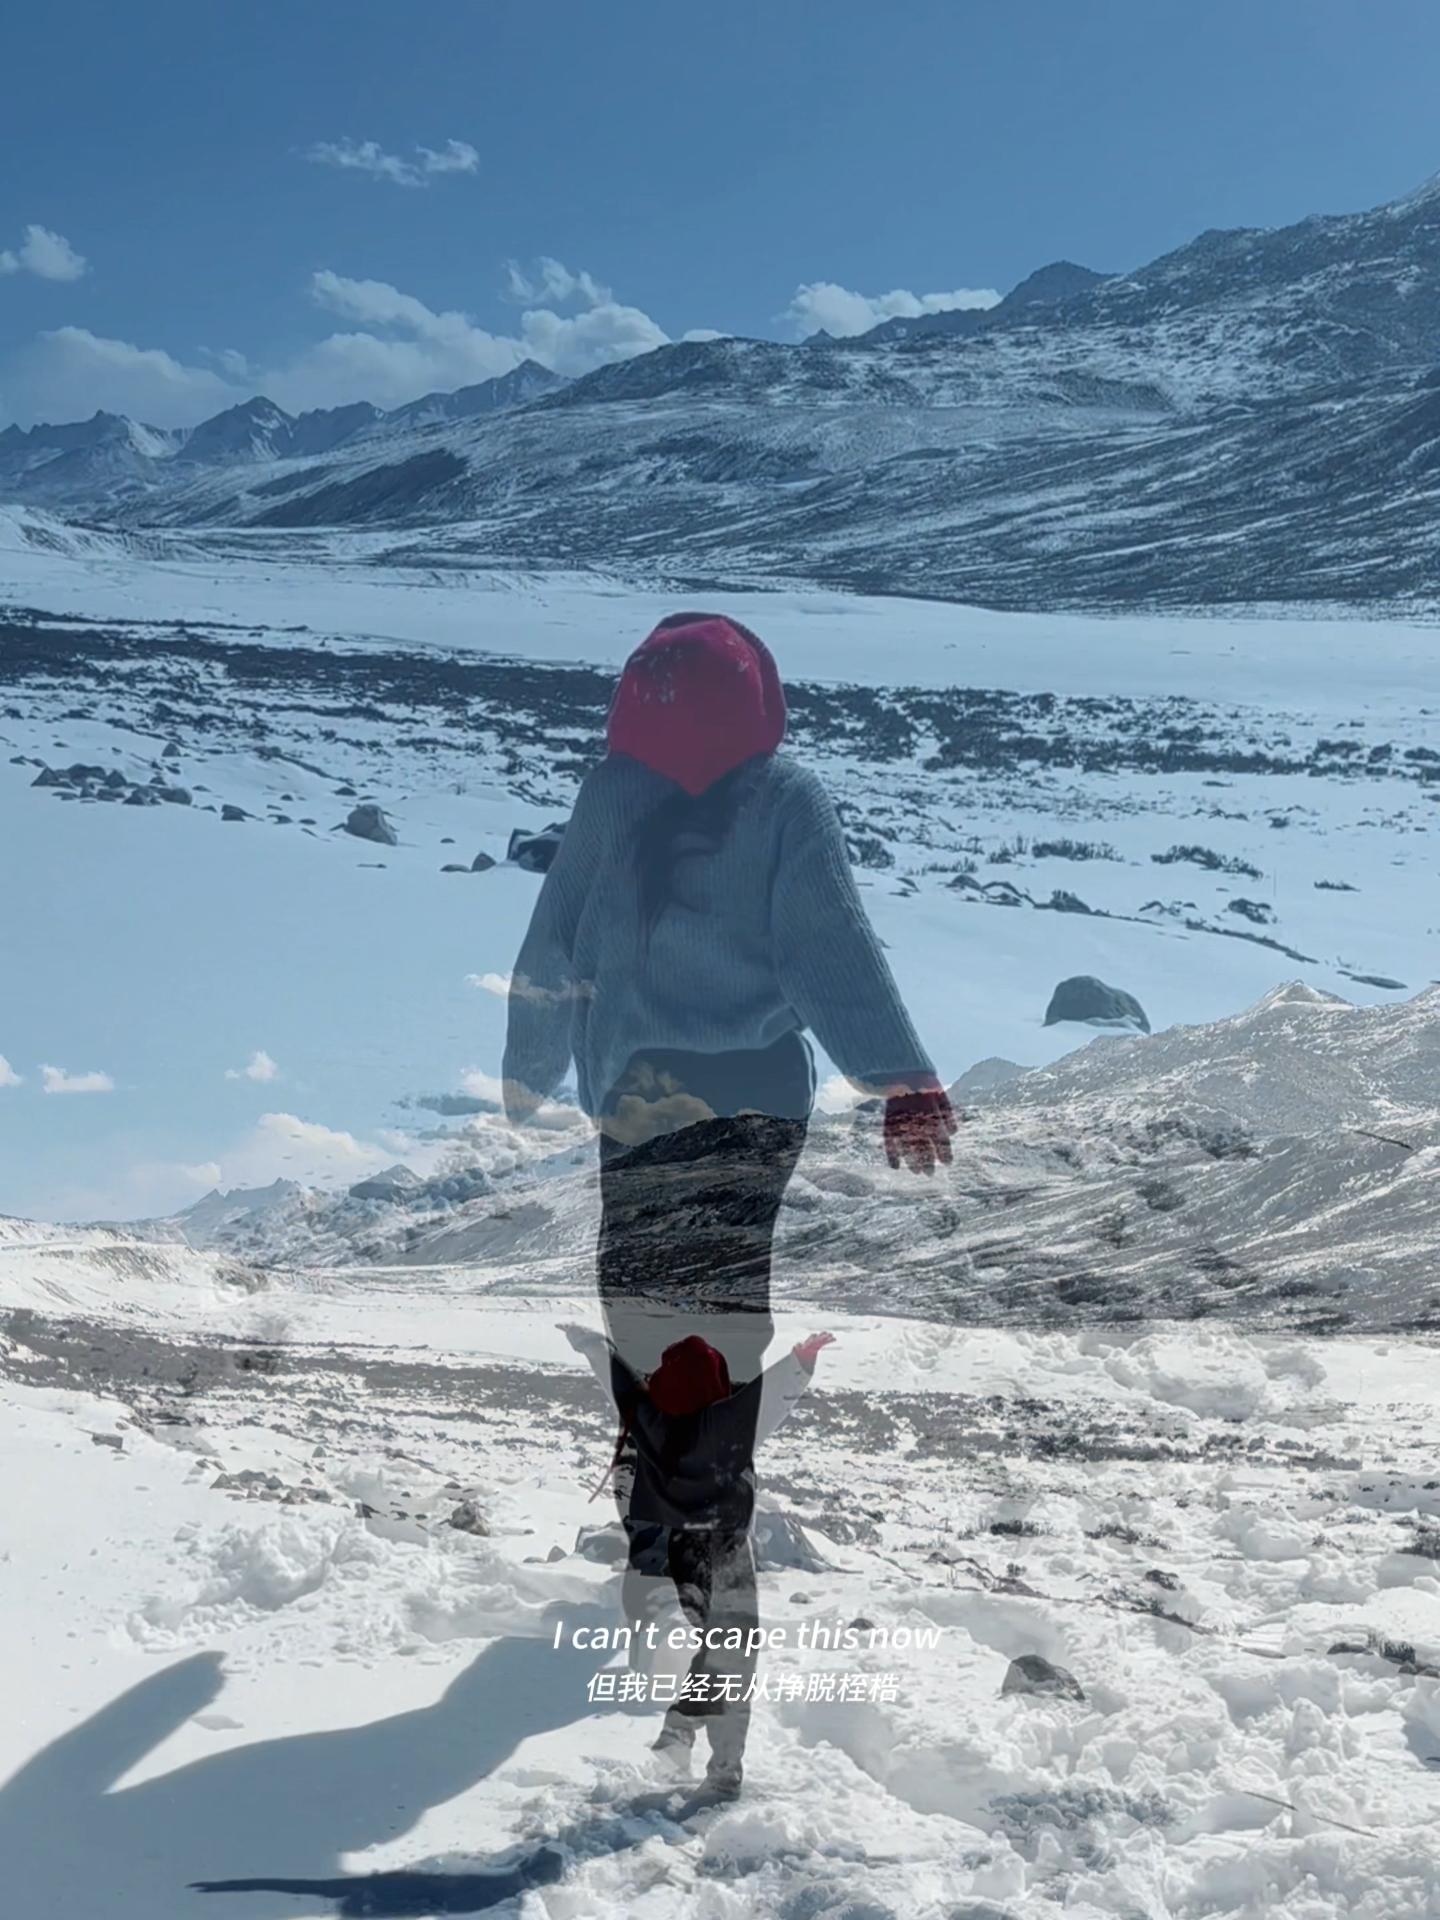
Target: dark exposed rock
x=369, y=822
x=228, y=812
x=1083, y=997
x=467, y=1518
x=535, y=851
x=1032, y=1673
x=482, y=863
x=606, y=1545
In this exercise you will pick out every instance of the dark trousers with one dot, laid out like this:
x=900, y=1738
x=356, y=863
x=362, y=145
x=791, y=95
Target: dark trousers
x=689, y=1204
x=713, y=1573
x=695, y=1154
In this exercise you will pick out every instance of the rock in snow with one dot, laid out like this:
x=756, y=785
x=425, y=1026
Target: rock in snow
x=1083, y=997
x=535, y=851
x=467, y=1518
x=1032, y=1673
x=368, y=822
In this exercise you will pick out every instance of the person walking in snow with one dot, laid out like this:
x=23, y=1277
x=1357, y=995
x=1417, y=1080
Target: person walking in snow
x=698, y=918
x=691, y=1509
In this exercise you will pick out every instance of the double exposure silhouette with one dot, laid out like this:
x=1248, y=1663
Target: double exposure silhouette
x=698, y=920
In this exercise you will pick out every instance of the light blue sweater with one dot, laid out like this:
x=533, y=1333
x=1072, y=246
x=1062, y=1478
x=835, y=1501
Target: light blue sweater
x=764, y=935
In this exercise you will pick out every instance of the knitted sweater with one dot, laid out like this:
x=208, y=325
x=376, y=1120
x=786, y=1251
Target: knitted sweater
x=764, y=935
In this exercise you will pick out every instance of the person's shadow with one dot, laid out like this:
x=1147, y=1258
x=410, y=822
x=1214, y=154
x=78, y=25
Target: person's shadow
x=72, y=1848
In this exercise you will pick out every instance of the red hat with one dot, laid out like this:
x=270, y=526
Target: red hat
x=696, y=699
x=692, y=1374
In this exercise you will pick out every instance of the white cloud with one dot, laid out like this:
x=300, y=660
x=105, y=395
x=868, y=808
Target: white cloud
x=207, y=1174
x=504, y=985
x=496, y=983
x=405, y=349
x=553, y=280
x=57, y=1080
x=291, y=1134
x=8, y=1075
x=49, y=256
x=823, y=306
x=261, y=1067
x=837, y=1095
x=70, y=372
x=283, y=1146
x=393, y=349
x=551, y=1116
x=595, y=338
x=377, y=303
x=367, y=156
x=456, y=156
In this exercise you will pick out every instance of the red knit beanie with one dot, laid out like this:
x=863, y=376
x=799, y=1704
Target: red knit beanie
x=692, y=1374
x=696, y=700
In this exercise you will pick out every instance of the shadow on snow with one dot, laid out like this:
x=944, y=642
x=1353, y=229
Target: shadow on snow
x=73, y=1846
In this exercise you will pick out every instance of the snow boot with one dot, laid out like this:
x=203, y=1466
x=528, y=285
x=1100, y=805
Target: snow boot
x=675, y=1742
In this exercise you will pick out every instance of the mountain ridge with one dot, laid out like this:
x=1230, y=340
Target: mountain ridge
x=1250, y=417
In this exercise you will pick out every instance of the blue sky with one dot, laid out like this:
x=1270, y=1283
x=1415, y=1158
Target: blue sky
x=202, y=201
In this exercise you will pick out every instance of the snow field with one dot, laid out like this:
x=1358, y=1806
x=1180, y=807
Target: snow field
x=1157, y=1794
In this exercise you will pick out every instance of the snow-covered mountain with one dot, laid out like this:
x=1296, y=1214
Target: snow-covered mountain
x=1254, y=417
x=107, y=457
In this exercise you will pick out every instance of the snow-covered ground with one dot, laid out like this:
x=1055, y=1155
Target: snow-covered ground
x=243, y=1641
x=1142, y=1385
x=258, y=999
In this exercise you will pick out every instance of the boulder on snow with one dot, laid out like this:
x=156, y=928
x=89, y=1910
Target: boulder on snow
x=482, y=863
x=1083, y=997
x=1032, y=1673
x=368, y=822
x=452, y=866
x=48, y=777
x=227, y=812
x=147, y=797
x=782, y=1544
x=394, y=1184
x=535, y=851
x=177, y=796
x=607, y=1545
x=467, y=1518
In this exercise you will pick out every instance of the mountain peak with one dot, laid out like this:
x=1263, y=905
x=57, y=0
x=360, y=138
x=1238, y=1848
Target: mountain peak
x=1046, y=285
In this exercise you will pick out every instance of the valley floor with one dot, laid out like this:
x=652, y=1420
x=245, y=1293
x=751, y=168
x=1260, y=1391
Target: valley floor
x=1143, y=1385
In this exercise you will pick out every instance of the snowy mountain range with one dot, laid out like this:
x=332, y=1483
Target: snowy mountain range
x=1252, y=418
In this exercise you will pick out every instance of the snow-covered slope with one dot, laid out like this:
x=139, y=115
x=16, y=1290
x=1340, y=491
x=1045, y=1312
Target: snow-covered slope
x=296, y=1534
x=1252, y=418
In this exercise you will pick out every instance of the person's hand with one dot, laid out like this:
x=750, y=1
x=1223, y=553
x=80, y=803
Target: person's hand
x=807, y=1351
x=918, y=1127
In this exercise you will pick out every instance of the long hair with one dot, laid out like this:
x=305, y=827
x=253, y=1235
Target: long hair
x=704, y=818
